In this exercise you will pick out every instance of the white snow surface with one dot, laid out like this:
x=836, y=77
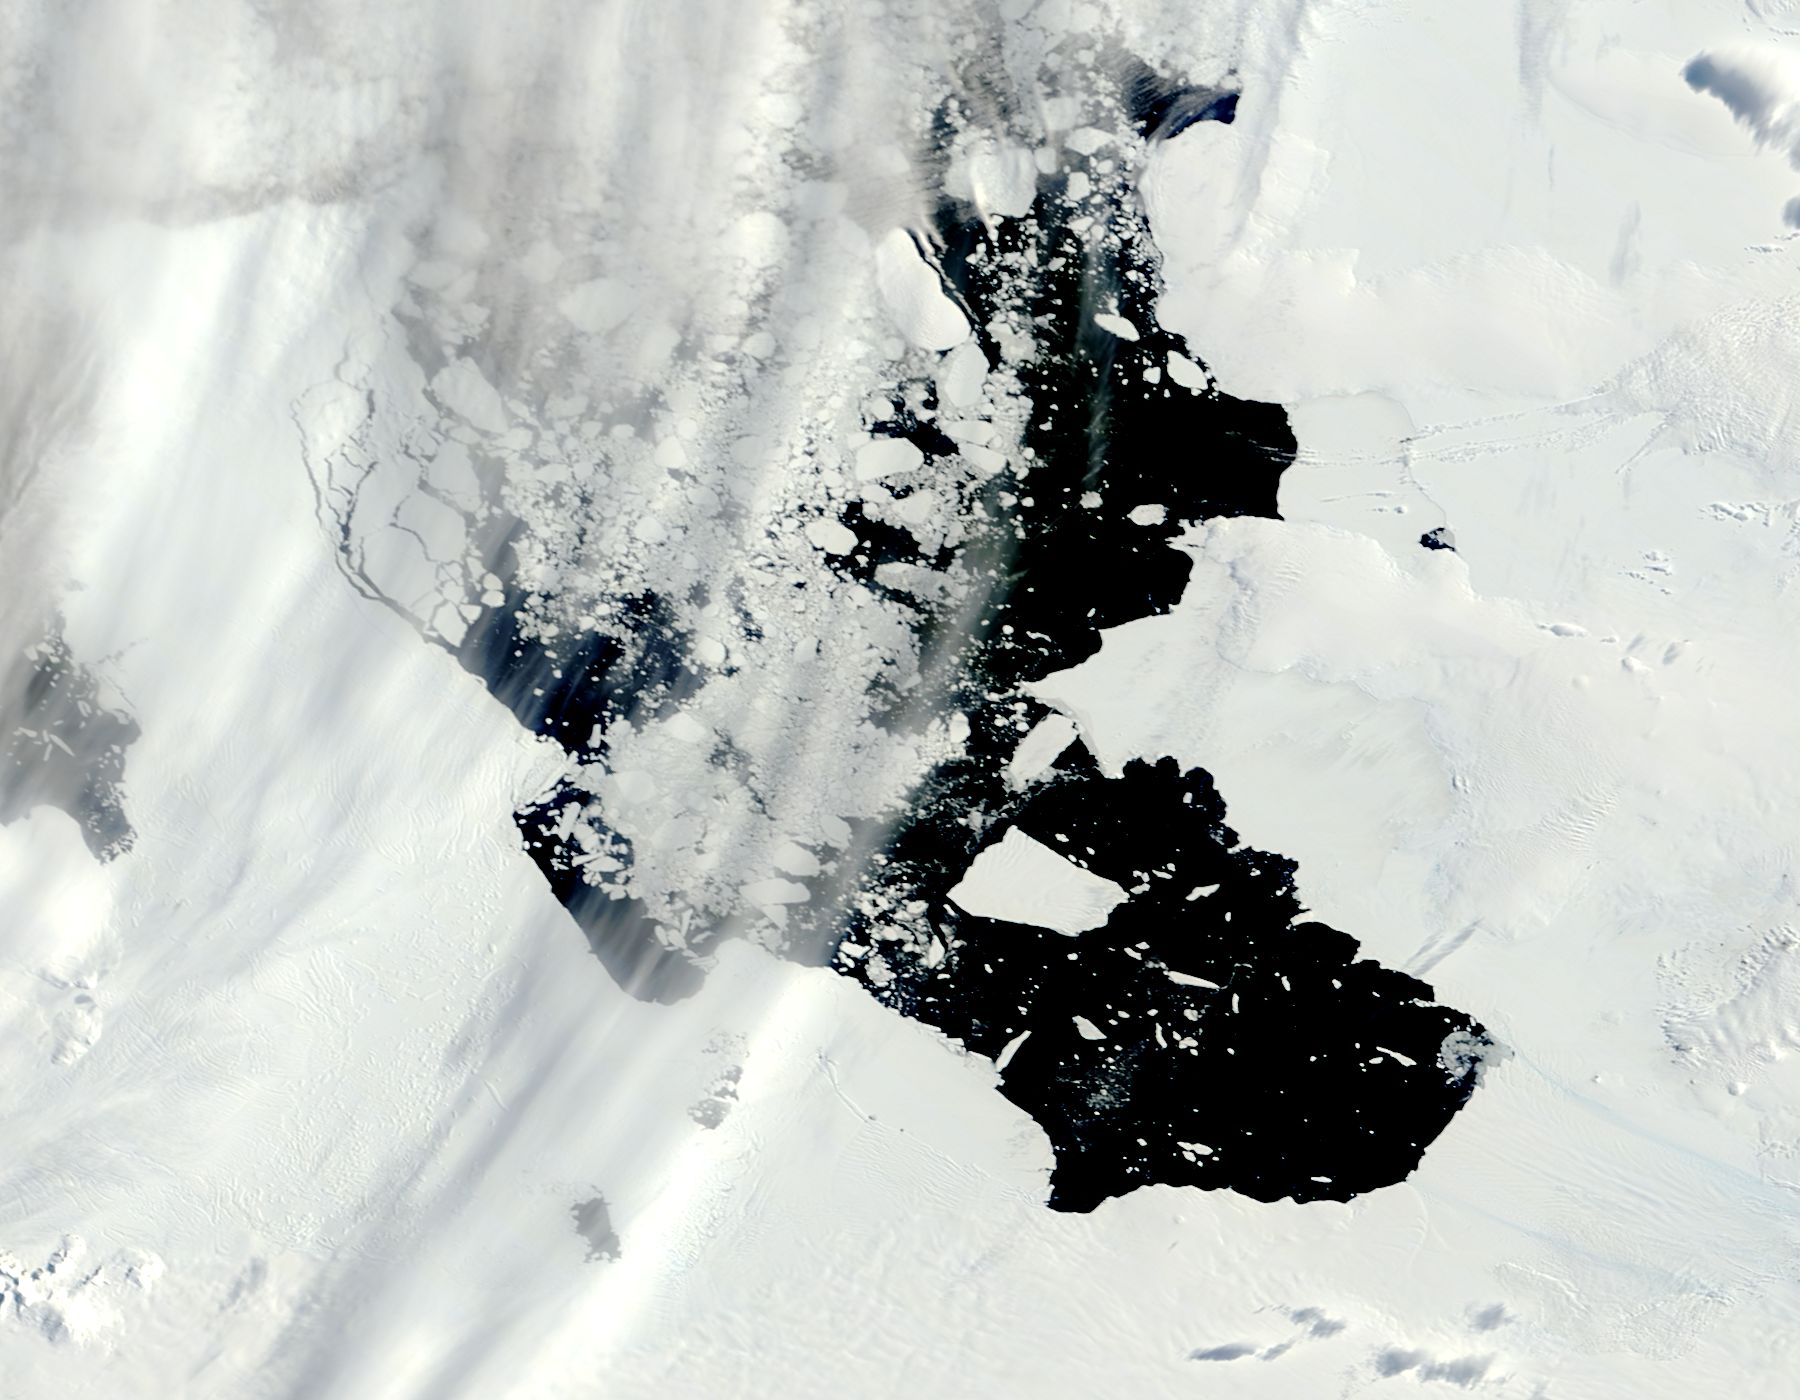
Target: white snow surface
x=304, y=1088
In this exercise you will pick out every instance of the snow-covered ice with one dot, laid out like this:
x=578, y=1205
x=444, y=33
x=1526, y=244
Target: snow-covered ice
x=315, y=1088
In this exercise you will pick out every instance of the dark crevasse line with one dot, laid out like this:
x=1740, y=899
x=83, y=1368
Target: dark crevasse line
x=65, y=749
x=1279, y=1065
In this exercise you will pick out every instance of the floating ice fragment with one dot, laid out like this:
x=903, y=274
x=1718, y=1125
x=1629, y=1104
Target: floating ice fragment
x=961, y=375
x=795, y=859
x=775, y=891
x=462, y=388
x=1040, y=748
x=1022, y=881
x=686, y=728
x=832, y=536
x=885, y=456
x=1010, y=1049
x=1185, y=372
x=984, y=459
x=921, y=311
x=1003, y=180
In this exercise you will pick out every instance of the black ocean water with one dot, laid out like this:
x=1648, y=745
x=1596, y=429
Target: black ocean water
x=1280, y=1065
